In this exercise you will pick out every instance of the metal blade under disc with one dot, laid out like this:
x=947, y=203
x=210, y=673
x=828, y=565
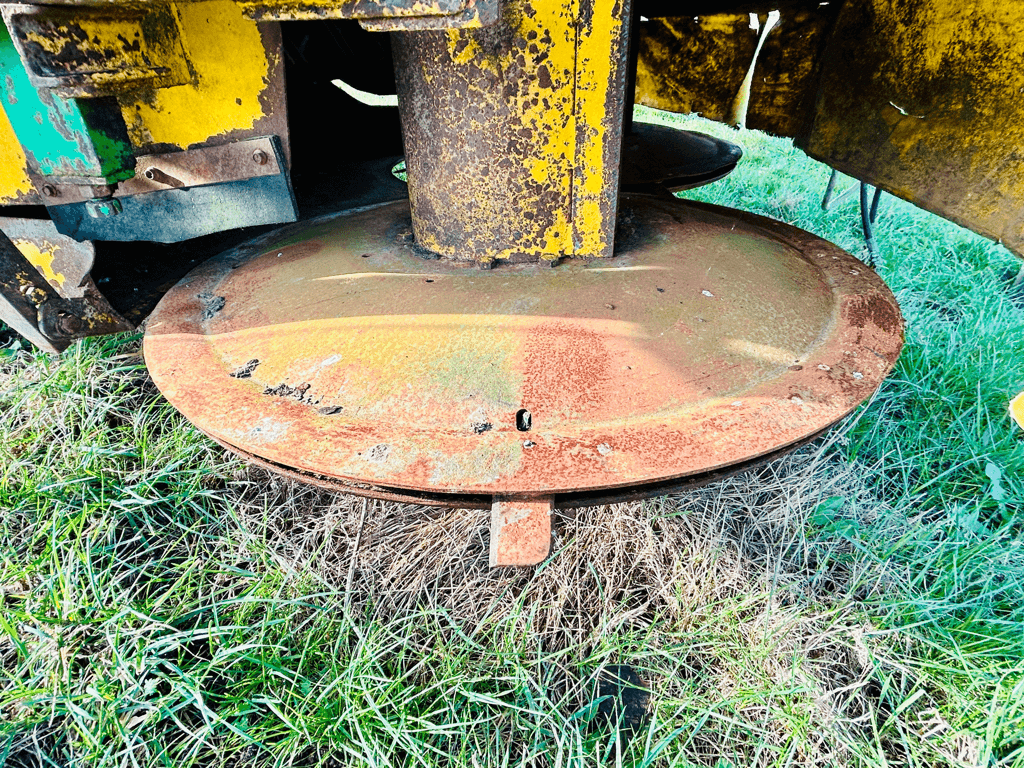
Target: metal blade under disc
x=714, y=338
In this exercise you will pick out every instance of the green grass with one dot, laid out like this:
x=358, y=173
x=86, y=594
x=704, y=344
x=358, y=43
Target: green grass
x=858, y=603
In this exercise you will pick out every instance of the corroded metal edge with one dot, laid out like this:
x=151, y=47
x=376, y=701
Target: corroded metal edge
x=482, y=501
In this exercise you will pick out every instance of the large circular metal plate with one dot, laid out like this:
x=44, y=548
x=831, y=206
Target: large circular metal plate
x=714, y=338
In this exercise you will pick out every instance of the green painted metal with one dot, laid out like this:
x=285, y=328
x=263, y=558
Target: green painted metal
x=77, y=138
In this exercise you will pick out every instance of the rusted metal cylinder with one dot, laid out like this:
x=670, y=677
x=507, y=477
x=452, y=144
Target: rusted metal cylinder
x=513, y=132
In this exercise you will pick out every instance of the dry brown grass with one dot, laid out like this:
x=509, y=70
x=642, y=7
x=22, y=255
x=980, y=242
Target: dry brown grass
x=725, y=595
x=624, y=565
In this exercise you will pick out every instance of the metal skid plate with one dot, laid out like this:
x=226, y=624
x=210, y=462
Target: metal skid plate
x=712, y=339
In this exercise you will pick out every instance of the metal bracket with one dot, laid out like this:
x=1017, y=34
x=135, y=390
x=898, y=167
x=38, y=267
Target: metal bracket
x=234, y=161
x=50, y=298
x=239, y=184
x=88, y=52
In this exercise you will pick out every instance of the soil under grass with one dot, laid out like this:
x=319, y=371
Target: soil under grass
x=859, y=602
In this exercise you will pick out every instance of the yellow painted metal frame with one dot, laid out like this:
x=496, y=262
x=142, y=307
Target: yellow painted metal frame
x=228, y=93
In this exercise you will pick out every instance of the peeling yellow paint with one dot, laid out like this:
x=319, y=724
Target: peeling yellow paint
x=14, y=180
x=594, y=73
x=231, y=69
x=463, y=48
x=571, y=120
x=551, y=118
x=41, y=259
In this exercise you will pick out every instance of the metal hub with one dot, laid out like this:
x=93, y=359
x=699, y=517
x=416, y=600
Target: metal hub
x=712, y=339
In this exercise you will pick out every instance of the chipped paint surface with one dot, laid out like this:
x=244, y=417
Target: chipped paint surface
x=14, y=180
x=65, y=263
x=697, y=64
x=925, y=99
x=412, y=373
x=299, y=10
x=61, y=135
x=88, y=51
x=42, y=259
x=231, y=70
x=513, y=132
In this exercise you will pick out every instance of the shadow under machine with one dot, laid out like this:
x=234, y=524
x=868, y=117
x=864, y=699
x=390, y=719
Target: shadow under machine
x=534, y=322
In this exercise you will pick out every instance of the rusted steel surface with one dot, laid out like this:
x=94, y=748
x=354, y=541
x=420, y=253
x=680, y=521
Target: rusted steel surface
x=512, y=133
x=233, y=161
x=675, y=159
x=520, y=531
x=925, y=99
x=713, y=339
x=485, y=501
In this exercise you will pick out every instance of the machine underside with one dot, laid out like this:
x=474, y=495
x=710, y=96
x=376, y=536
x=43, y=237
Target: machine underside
x=534, y=321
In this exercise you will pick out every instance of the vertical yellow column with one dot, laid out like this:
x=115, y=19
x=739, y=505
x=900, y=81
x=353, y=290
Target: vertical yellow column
x=513, y=132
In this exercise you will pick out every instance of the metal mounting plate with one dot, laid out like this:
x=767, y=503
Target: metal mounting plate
x=713, y=338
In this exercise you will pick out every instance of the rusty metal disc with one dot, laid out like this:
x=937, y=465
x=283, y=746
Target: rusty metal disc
x=712, y=339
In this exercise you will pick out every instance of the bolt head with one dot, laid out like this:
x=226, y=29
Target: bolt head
x=260, y=157
x=103, y=208
x=68, y=324
x=50, y=191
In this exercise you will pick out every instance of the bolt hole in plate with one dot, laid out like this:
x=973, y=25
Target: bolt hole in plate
x=732, y=337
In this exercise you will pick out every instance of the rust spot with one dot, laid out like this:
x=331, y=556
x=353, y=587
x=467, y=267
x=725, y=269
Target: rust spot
x=246, y=370
x=284, y=390
x=211, y=305
x=876, y=310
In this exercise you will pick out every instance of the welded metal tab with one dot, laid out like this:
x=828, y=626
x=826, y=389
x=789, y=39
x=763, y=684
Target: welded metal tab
x=712, y=339
x=513, y=133
x=520, y=530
